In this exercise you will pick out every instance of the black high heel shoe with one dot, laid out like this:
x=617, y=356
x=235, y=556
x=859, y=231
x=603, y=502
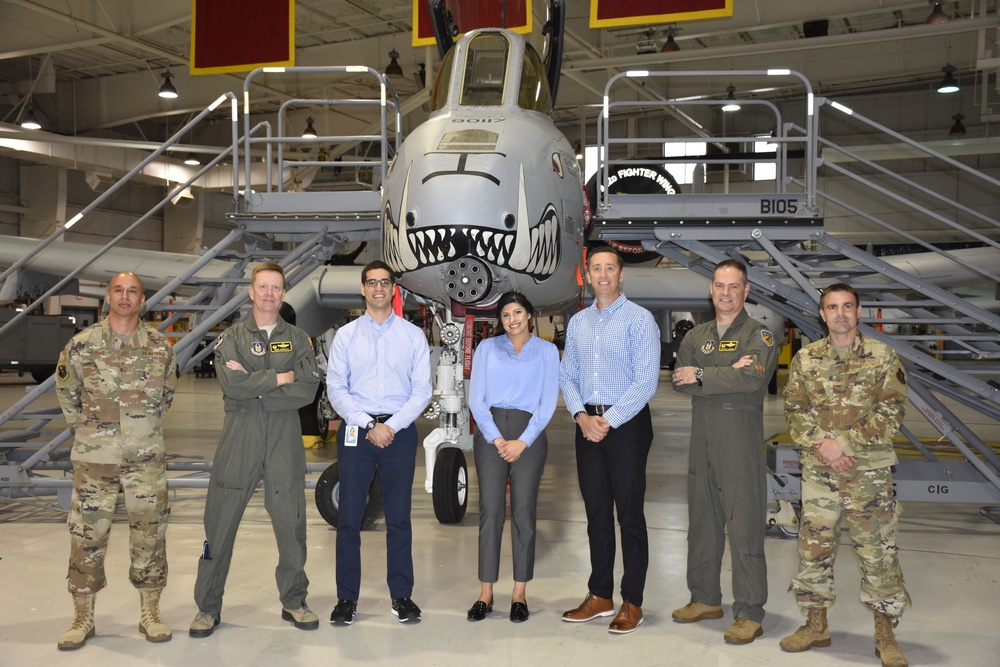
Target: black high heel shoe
x=519, y=612
x=479, y=609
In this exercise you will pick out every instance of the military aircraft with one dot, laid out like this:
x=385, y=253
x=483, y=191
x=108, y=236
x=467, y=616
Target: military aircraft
x=485, y=196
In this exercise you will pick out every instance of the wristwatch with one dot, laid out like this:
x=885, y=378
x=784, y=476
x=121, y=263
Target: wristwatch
x=577, y=415
x=698, y=372
x=370, y=426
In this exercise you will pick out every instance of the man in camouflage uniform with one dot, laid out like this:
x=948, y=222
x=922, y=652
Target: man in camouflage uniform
x=267, y=370
x=725, y=365
x=844, y=403
x=115, y=382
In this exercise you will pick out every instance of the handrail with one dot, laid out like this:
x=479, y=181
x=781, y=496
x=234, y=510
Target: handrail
x=131, y=228
x=604, y=129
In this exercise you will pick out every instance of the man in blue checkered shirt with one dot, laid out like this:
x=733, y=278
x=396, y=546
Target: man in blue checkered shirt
x=609, y=373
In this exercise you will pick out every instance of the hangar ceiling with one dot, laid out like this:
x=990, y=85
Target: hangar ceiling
x=91, y=68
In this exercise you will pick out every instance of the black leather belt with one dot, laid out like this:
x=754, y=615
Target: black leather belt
x=381, y=419
x=596, y=409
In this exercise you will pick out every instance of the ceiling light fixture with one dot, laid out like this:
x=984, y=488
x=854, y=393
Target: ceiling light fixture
x=670, y=46
x=731, y=104
x=393, y=68
x=310, y=131
x=30, y=121
x=948, y=83
x=937, y=16
x=167, y=90
x=957, y=128
x=192, y=160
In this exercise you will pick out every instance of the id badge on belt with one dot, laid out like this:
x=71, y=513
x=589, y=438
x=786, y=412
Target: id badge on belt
x=351, y=437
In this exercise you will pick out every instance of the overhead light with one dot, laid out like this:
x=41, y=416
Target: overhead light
x=578, y=151
x=670, y=45
x=310, y=131
x=192, y=160
x=30, y=121
x=731, y=104
x=937, y=16
x=167, y=90
x=393, y=68
x=948, y=83
x=957, y=128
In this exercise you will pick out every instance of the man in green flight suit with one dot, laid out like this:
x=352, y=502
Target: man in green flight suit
x=725, y=365
x=115, y=382
x=267, y=370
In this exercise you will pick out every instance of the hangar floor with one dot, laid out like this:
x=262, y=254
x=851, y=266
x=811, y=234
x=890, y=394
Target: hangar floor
x=950, y=556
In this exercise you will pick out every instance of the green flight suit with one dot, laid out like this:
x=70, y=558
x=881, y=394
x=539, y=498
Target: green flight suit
x=261, y=439
x=727, y=487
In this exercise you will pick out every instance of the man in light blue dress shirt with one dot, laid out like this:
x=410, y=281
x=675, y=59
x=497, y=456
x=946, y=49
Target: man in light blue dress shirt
x=609, y=373
x=379, y=381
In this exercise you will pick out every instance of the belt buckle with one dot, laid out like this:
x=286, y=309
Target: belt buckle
x=599, y=410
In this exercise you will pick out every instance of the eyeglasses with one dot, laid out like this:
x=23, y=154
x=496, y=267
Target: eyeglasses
x=384, y=282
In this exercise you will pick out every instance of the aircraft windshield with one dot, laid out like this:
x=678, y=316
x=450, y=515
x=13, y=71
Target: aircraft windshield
x=485, y=70
x=440, y=96
x=533, y=94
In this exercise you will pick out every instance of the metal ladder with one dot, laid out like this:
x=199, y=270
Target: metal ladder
x=298, y=230
x=948, y=344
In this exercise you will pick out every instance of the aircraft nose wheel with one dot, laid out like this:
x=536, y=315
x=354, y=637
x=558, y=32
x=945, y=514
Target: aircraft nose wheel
x=451, y=485
x=468, y=280
x=328, y=498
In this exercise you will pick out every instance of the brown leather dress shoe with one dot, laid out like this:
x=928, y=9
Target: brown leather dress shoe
x=628, y=619
x=591, y=607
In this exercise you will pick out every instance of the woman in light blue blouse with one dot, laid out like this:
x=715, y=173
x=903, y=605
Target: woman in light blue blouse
x=512, y=394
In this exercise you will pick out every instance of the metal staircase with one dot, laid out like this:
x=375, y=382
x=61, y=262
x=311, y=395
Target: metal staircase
x=948, y=344
x=298, y=230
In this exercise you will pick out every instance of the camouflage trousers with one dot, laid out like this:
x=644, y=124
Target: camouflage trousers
x=863, y=500
x=92, y=510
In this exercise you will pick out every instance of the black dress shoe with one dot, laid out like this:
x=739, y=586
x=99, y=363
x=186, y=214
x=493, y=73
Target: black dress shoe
x=518, y=612
x=479, y=610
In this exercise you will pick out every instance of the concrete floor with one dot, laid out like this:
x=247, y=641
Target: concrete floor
x=950, y=556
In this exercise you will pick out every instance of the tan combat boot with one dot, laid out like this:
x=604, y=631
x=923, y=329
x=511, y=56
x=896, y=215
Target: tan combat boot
x=814, y=633
x=885, y=643
x=150, y=623
x=82, y=627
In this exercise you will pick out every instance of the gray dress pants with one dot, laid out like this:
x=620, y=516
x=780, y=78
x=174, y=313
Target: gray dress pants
x=525, y=475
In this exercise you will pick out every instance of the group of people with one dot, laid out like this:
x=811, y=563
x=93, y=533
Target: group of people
x=844, y=402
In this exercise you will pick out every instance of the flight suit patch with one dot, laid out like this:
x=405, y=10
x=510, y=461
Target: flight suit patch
x=257, y=348
x=728, y=345
x=709, y=346
x=281, y=346
x=62, y=372
x=766, y=337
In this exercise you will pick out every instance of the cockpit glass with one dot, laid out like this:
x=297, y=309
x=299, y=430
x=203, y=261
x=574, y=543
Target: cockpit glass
x=443, y=82
x=485, y=70
x=533, y=93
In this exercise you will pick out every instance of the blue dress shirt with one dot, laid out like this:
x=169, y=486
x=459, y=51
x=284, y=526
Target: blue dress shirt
x=612, y=357
x=527, y=381
x=379, y=369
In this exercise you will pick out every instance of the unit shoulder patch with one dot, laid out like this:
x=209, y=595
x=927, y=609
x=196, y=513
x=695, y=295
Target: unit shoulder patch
x=766, y=337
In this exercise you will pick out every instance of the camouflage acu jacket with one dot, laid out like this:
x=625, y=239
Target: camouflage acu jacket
x=114, y=397
x=858, y=400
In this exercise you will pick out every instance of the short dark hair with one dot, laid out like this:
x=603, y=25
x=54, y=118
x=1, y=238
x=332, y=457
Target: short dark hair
x=374, y=266
x=840, y=287
x=268, y=266
x=732, y=264
x=505, y=300
x=607, y=249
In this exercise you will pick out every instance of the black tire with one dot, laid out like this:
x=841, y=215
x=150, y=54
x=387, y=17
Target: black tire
x=451, y=485
x=791, y=532
x=40, y=375
x=328, y=498
x=313, y=416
